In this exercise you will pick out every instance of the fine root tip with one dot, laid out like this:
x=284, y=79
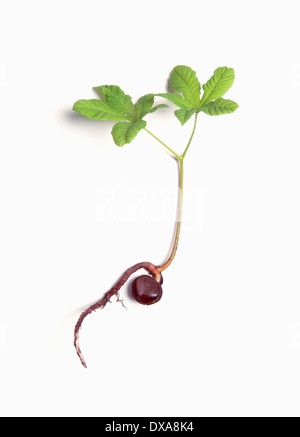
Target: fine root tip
x=82, y=360
x=120, y=300
x=79, y=353
x=123, y=305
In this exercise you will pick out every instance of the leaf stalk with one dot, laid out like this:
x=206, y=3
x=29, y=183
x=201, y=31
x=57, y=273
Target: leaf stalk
x=161, y=142
x=190, y=140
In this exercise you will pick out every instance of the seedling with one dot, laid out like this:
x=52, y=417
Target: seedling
x=117, y=106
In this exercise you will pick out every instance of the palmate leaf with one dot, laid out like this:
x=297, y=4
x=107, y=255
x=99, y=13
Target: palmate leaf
x=115, y=105
x=118, y=99
x=98, y=110
x=219, y=107
x=125, y=132
x=218, y=84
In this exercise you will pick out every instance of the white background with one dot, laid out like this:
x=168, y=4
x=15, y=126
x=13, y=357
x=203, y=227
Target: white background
x=225, y=338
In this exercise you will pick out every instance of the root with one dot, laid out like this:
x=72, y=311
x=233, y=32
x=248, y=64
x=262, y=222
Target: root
x=114, y=291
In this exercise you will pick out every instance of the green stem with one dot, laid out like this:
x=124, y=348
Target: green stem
x=178, y=221
x=161, y=142
x=190, y=140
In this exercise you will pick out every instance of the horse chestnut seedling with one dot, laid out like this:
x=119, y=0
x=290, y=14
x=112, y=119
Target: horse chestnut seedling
x=115, y=105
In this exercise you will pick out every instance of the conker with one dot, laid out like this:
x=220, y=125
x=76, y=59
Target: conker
x=146, y=290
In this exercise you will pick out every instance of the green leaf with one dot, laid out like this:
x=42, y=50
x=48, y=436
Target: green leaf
x=118, y=99
x=219, y=107
x=155, y=108
x=98, y=110
x=177, y=99
x=143, y=105
x=124, y=133
x=218, y=84
x=99, y=92
x=184, y=115
x=184, y=80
